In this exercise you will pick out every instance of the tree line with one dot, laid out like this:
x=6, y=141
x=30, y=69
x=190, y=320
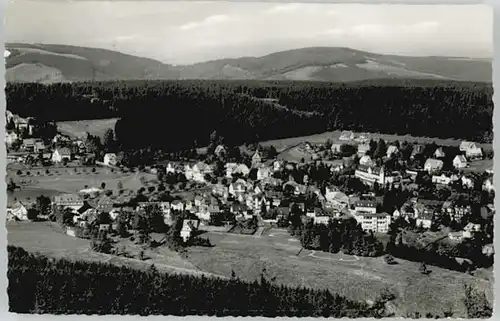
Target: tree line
x=176, y=115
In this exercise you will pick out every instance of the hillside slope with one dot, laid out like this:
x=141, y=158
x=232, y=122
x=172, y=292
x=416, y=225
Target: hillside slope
x=79, y=64
x=55, y=63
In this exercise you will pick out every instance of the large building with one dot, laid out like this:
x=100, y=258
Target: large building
x=374, y=222
x=371, y=175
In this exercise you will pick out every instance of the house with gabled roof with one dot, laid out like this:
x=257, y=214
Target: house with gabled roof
x=472, y=151
x=61, y=154
x=230, y=167
x=335, y=148
x=366, y=160
x=256, y=158
x=347, y=136
x=263, y=172
x=488, y=185
x=459, y=162
x=392, y=150
x=433, y=165
x=188, y=227
x=417, y=150
x=439, y=153
x=363, y=149
x=17, y=211
x=11, y=137
x=110, y=159
x=177, y=205
x=220, y=150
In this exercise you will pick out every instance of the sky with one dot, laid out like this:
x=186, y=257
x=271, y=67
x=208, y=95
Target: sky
x=189, y=32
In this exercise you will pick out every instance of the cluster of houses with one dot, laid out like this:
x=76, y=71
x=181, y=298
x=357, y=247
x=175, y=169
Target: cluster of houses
x=369, y=173
x=268, y=197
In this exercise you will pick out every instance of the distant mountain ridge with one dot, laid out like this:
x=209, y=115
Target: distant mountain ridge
x=60, y=63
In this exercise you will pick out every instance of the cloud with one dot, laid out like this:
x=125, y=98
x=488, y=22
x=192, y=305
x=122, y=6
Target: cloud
x=369, y=29
x=125, y=38
x=189, y=26
x=211, y=20
x=335, y=32
x=280, y=8
x=374, y=31
x=425, y=26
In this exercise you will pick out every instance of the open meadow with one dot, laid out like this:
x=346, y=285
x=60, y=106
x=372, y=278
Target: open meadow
x=49, y=239
x=73, y=179
x=356, y=278
x=78, y=129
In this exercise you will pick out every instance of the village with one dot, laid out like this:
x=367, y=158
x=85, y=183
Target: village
x=352, y=176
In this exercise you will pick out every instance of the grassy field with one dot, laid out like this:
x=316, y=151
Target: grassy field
x=357, y=278
x=480, y=165
x=360, y=279
x=78, y=129
x=49, y=239
x=67, y=180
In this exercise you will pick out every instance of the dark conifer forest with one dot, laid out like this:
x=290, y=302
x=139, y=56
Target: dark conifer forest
x=174, y=115
x=57, y=286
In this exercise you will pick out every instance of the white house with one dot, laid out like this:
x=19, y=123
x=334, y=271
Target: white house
x=336, y=198
x=17, y=210
x=177, y=205
x=10, y=138
x=230, y=167
x=366, y=160
x=433, y=165
x=263, y=172
x=61, y=154
x=467, y=182
x=472, y=151
x=197, y=172
x=220, y=150
x=170, y=168
x=459, y=162
x=256, y=158
x=188, y=227
x=110, y=159
x=488, y=185
x=391, y=150
x=363, y=149
x=441, y=179
x=346, y=136
x=277, y=165
x=335, y=148
x=237, y=188
x=439, y=153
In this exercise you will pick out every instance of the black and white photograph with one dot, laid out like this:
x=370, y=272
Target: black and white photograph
x=264, y=159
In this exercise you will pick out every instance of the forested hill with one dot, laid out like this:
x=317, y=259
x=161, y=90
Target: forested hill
x=47, y=63
x=173, y=115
